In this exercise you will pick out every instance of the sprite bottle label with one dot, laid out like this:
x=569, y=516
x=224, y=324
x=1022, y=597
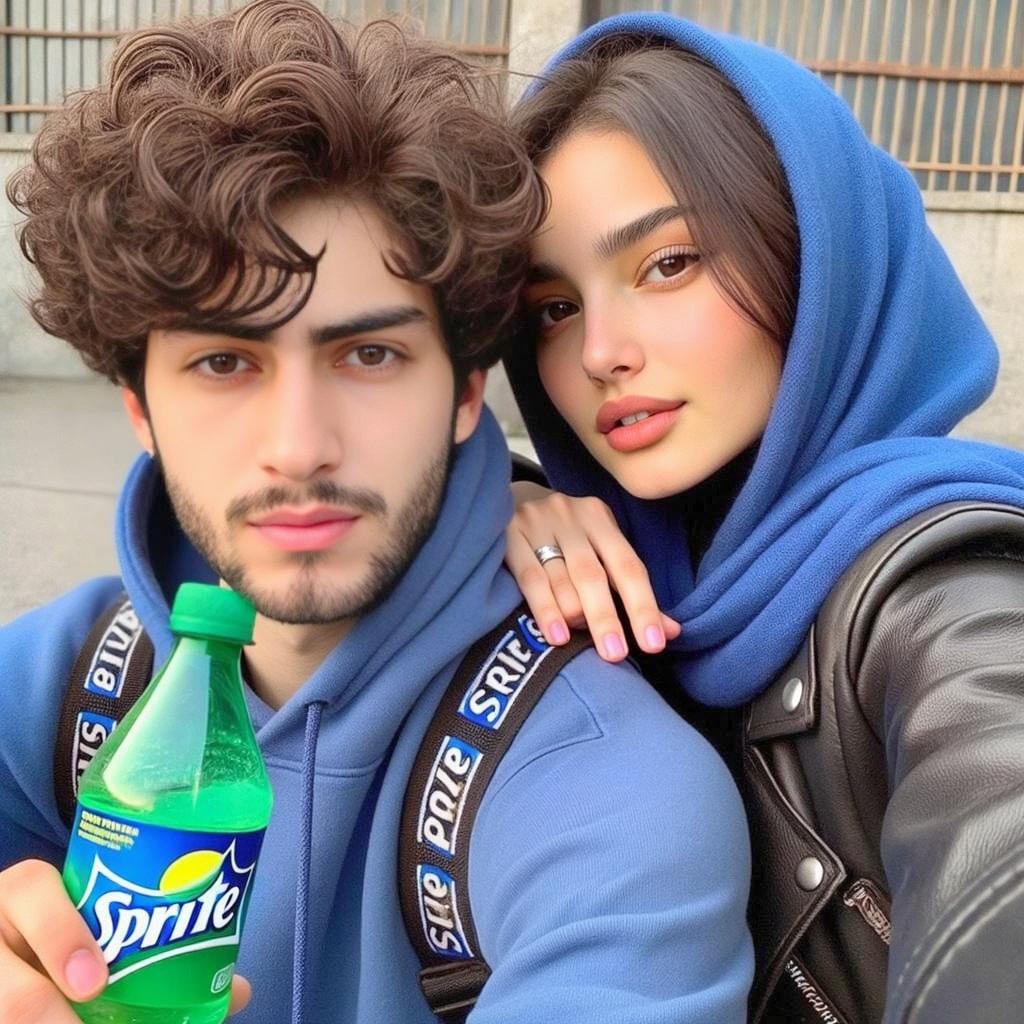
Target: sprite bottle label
x=165, y=905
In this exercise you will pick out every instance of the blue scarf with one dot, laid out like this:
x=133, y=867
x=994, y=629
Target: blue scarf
x=887, y=355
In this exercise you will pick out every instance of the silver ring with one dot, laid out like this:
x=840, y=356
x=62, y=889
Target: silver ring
x=548, y=552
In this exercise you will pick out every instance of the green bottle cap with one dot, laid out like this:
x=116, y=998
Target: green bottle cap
x=213, y=613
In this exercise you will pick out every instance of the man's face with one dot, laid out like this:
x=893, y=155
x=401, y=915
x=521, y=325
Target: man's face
x=307, y=464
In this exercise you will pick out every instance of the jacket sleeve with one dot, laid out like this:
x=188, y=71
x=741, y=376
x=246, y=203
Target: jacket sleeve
x=949, y=644
x=610, y=867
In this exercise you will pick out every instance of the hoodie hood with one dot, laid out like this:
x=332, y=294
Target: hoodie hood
x=886, y=356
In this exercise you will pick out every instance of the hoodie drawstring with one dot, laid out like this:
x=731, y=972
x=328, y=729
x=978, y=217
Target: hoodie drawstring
x=313, y=713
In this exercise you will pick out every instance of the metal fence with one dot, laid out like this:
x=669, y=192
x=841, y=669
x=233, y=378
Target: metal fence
x=938, y=83
x=49, y=48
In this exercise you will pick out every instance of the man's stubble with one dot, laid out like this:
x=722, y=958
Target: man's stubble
x=310, y=600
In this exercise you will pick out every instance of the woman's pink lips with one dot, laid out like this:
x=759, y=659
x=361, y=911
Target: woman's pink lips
x=643, y=434
x=313, y=537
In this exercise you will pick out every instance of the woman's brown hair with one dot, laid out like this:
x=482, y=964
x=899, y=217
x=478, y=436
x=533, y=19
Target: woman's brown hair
x=150, y=200
x=707, y=145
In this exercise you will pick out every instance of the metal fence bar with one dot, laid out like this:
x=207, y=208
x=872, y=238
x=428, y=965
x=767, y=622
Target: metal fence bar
x=979, y=113
x=844, y=37
x=52, y=72
x=1004, y=92
x=801, y=34
x=934, y=95
x=36, y=61
x=477, y=49
x=882, y=81
x=940, y=99
x=891, y=69
x=922, y=87
x=961, y=89
x=901, y=83
x=862, y=52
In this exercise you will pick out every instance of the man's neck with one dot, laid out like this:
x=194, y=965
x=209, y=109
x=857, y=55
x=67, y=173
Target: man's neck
x=282, y=657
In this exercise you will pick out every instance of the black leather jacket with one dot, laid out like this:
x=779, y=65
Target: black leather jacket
x=884, y=777
x=883, y=774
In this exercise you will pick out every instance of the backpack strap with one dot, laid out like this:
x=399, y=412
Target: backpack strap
x=493, y=691
x=111, y=671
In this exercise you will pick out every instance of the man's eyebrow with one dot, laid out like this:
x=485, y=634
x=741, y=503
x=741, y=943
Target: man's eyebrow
x=365, y=323
x=541, y=273
x=623, y=237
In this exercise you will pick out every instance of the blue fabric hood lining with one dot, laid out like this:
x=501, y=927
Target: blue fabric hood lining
x=887, y=355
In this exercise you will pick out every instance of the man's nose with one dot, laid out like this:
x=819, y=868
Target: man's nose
x=300, y=427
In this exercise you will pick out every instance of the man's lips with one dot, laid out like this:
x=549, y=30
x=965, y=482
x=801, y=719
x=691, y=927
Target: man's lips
x=308, y=530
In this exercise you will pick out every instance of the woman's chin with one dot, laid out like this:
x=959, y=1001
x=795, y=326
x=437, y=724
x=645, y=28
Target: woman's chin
x=652, y=486
x=651, y=481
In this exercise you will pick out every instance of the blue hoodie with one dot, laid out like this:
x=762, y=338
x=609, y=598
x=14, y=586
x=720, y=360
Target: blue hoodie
x=886, y=356
x=609, y=860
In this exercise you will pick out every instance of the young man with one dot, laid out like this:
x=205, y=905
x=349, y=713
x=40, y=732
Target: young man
x=298, y=255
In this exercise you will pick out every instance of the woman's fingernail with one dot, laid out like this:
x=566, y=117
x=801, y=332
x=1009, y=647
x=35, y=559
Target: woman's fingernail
x=84, y=972
x=613, y=646
x=558, y=633
x=654, y=637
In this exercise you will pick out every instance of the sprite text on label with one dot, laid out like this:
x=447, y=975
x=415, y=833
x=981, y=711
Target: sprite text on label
x=151, y=894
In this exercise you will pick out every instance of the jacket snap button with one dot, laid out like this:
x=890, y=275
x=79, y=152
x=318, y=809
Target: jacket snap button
x=792, y=693
x=809, y=873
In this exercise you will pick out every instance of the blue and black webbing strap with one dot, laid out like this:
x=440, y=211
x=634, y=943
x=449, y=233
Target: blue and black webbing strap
x=493, y=691
x=112, y=669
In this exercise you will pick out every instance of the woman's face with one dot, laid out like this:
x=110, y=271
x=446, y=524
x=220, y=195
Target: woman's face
x=661, y=379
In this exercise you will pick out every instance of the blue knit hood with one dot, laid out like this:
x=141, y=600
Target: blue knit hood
x=886, y=356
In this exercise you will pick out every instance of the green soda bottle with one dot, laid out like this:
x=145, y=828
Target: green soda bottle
x=170, y=819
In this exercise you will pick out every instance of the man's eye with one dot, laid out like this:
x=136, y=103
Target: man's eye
x=222, y=364
x=370, y=355
x=554, y=312
x=670, y=266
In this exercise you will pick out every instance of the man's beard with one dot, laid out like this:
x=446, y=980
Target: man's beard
x=309, y=600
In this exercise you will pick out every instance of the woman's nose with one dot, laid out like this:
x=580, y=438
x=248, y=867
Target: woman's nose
x=610, y=352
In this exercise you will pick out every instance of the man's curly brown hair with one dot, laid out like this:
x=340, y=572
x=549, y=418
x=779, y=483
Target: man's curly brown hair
x=150, y=200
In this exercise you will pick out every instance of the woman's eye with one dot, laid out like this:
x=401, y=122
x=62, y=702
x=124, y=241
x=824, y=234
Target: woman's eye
x=554, y=312
x=222, y=364
x=370, y=355
x=670, y=266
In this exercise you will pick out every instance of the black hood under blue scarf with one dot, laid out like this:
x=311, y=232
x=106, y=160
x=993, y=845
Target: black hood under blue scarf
x=887, y=355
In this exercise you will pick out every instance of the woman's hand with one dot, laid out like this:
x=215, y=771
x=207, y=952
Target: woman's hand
x=576, y=590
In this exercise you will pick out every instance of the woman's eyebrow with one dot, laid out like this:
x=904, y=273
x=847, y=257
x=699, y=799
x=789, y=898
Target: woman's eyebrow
x=617, y=239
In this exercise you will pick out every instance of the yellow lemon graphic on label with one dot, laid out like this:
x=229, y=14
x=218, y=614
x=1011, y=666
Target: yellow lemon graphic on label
x=191, y=871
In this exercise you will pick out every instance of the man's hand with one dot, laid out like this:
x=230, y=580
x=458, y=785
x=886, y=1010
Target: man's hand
x=47, y=953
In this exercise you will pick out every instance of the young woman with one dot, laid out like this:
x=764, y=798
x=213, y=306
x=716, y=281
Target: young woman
x=746, y=351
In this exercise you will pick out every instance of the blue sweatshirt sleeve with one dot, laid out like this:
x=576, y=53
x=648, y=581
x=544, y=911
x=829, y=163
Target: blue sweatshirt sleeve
x=37, y=652
x=609, y=865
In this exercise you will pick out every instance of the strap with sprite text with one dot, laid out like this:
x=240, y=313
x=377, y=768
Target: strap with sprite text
x=112, y=669
x=494, y=689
